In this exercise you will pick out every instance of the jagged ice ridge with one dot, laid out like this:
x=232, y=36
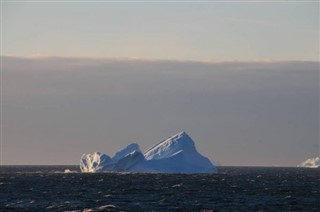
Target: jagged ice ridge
x=311, y=163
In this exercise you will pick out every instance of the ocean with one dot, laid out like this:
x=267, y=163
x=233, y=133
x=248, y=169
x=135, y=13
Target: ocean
x=49, y=188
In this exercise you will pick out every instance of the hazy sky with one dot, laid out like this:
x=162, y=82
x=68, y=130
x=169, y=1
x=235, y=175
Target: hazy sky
x=238, y=113
x=241, y=78
x=193, y=31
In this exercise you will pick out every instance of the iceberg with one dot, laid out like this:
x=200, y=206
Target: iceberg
x=311, y=163
x=176, y=154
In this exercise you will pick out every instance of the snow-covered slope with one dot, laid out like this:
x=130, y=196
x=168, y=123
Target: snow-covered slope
x=129, y=161
x=170, y=146
x=311, y=163
x=176, y=154
x=128, y=149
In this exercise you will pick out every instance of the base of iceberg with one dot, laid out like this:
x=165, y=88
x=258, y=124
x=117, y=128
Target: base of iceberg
x=311, y=163
x=176, y=154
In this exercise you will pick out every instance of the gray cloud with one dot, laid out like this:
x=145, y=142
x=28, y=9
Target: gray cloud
x=240, y=113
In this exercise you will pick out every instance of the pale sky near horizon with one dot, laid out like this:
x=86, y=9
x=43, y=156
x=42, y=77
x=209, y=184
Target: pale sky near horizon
x=95, y=76
x=203, y=31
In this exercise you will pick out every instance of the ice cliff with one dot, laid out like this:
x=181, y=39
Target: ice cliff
x=176, y=154
x=311, y=163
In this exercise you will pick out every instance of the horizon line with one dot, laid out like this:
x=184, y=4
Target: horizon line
x=141, y=59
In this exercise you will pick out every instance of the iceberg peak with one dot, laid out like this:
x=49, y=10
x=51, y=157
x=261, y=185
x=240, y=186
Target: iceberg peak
x=169, y=146
x=127, y=150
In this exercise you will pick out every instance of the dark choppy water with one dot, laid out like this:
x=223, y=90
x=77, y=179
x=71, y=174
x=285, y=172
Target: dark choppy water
x=47, y=188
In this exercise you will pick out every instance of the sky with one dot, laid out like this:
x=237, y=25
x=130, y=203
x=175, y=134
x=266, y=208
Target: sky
x=240, y=77
x=211, y=31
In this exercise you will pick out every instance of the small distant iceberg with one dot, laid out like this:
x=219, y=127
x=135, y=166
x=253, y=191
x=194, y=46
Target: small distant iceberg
x=68, y=171
x=311, y=163
x=176, y=154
